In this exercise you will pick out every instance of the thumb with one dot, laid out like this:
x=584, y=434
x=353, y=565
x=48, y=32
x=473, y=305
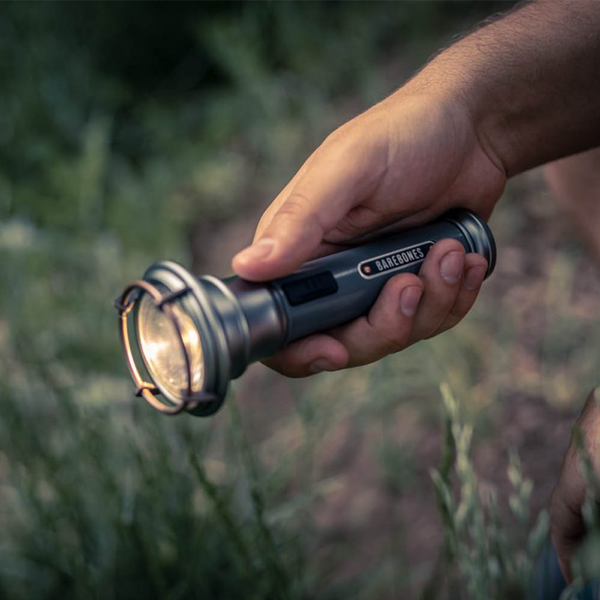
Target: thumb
x=346, y=168
x=289, y=240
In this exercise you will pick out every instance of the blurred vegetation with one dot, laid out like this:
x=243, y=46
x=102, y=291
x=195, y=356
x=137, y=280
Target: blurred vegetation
x=123, y=128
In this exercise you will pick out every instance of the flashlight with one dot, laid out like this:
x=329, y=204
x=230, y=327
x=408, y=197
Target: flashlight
x=195, y=334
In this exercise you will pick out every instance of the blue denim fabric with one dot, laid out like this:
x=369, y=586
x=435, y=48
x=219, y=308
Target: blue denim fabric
x=549, y=582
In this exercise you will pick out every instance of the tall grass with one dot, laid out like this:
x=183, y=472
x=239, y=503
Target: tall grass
x=298, y=490
x=495, y=557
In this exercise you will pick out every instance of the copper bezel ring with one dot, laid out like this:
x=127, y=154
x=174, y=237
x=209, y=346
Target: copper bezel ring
x=147, y=390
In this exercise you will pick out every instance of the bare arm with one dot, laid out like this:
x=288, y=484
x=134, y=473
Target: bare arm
x=515, y=93
x=531, y=82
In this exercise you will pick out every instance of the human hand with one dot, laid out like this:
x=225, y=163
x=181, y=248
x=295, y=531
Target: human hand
x=402, y=163
x=568, y=497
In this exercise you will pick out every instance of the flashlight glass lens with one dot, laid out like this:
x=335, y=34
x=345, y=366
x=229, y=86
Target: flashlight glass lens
x=161, y=348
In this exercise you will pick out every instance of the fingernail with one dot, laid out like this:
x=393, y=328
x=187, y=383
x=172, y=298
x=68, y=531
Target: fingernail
x=451, y=266
x=321, y=364
x=258, y=251
x=409, y=300
x=474, y=277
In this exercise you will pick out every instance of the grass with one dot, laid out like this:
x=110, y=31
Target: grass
x=317, y=489
x=490, y=562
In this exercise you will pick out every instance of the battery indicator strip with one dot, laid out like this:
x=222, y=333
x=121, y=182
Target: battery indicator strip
x=395, y=260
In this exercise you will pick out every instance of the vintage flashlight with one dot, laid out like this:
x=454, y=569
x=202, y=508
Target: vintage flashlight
x=195, y=334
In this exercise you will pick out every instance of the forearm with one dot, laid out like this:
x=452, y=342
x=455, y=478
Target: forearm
x=531, y=82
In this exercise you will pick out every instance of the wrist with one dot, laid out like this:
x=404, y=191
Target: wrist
x=452, y=77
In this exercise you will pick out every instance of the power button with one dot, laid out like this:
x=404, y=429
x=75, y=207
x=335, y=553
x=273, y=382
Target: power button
x=305, y=289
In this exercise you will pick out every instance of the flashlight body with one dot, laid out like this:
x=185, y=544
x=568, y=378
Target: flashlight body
x=239, y=322
x=335, y=289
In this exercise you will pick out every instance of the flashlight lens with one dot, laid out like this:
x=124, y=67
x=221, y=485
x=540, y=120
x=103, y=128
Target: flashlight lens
x=161, y=349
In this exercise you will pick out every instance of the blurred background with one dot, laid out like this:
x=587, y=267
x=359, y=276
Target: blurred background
x=133, y=132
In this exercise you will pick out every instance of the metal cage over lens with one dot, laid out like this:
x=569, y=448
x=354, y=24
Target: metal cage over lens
x=195, y=334
x=175, y=294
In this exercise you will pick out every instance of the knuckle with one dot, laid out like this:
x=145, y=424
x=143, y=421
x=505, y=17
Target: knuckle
x=399, y=282
x=358, y=221
x=337, y=137
x=342, y=143
x=274, y=363
x=296, y=206
x=299, y=207
x=391, y=340
x=345, y=231
x=457, y=313
x=452, y=317
x=441, y=249
x=428, y=328
x=293, y=360
x=283, y=368
x=283, y=364
x=435, y=325
x=441, y=329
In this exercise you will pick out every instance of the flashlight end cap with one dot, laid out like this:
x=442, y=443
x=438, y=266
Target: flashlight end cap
x=478, y=234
